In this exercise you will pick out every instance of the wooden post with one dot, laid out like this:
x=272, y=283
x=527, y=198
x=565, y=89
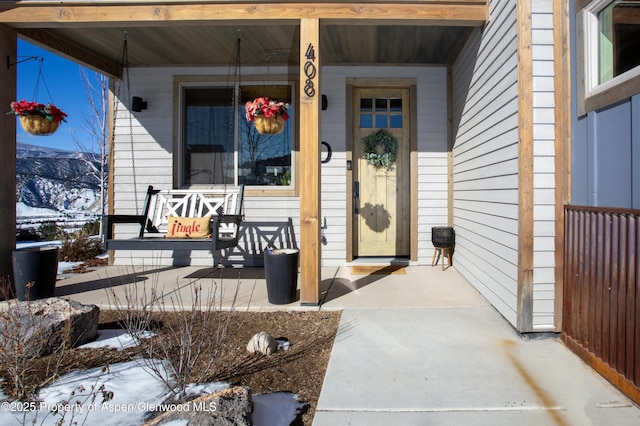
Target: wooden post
x=8, y=49
x=562, y=97
x=310, y=161
x=525, y=168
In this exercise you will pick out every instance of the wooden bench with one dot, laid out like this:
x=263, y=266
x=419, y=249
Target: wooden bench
x=224, y=206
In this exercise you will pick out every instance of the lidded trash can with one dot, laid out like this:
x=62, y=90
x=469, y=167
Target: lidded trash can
x=281, y=273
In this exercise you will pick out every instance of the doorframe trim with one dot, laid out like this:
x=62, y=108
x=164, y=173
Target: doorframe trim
x=406, y=83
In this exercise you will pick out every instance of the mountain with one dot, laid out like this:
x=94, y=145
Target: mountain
x=59, y=181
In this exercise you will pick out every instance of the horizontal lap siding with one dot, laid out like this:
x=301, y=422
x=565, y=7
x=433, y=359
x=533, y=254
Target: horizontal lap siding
x=152, y=131
x=485, y=118
x=543, y=166
x=485, y=131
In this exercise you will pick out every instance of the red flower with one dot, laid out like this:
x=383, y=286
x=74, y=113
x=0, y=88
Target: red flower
x=266, y=107
x=56, y=112
x=49, y=111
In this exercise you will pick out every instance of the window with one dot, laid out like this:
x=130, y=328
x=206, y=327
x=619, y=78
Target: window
x=219, y=147
x=611, y=53
x=383, y=112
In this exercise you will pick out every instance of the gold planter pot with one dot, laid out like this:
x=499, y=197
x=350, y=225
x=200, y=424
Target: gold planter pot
x=269, y=126
x=38, y=125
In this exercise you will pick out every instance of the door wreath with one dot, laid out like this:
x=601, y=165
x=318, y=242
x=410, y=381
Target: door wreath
x=380, y=149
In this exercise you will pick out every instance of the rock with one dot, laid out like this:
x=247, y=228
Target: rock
x=229, y=407
x=44, y=325
x=262, y=342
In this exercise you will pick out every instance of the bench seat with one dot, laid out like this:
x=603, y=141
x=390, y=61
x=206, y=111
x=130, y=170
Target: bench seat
x=224, y=206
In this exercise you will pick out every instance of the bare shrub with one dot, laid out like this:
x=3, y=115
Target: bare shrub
x=50, y=231
x=189, y=340
x=79, y=247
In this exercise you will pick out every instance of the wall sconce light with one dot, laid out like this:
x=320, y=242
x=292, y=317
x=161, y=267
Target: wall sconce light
x=325, y=102
x=137, y=104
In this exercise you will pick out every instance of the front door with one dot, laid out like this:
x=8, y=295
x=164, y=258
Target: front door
x=381, y=194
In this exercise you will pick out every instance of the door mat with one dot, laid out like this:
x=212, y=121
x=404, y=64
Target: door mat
x=377, y=270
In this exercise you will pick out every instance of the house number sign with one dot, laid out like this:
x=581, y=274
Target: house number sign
x=310, y=71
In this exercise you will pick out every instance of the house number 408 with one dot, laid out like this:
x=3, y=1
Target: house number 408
x=310, y=72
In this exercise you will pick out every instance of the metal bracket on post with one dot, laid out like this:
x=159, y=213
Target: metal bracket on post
x=28, y=58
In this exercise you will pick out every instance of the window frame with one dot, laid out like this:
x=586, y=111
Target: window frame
x=591, y=94
x=183, y=82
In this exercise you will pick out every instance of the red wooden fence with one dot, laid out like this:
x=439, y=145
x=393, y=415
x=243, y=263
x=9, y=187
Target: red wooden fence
x=601, y=302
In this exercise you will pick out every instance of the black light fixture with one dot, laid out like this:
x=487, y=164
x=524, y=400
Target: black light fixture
x=137, y=104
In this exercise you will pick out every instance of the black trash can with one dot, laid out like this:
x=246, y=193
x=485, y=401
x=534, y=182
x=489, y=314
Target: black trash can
x=35, y=270
x=281, y=273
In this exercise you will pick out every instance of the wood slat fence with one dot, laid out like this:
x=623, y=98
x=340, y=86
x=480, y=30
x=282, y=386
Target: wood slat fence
x=601, y=302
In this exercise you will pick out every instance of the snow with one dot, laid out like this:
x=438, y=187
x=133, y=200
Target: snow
x=23, y=210
x=116, y=339
x=135, y=393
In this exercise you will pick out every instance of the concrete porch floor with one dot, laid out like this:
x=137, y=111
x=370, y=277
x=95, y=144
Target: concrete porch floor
x=415, y=287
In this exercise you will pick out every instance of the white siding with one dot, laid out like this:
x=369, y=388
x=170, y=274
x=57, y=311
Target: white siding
x=152, y=131
x=485, y=118
x=543, y=165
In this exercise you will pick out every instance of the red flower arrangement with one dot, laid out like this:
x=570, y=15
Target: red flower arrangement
x=267, y=108
x=49, y=111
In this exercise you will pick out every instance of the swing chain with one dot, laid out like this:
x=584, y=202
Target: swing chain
x=125, y=66
x=133, y=157
x=235, y=99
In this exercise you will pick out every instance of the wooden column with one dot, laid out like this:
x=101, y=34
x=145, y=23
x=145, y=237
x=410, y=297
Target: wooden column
x=8, y=49
x=562, y=97
x=525, y=167
x=309, y=161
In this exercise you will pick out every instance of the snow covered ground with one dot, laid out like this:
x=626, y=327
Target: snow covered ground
x=135, y=393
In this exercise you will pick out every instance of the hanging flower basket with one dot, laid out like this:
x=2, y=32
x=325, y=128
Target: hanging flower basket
x=37, y=125
x=269, y=126
x=37, y=119
x=380, y=149
x=267, y=116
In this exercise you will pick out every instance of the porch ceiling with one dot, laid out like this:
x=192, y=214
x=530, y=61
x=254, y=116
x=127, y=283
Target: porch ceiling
x=214, y=44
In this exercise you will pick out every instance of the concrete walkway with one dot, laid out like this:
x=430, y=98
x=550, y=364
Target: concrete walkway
x=458, y=366
x=417, y=347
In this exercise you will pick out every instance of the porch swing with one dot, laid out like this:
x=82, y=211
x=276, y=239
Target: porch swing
x=176, y=219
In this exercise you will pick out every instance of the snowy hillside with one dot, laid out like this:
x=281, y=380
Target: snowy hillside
x=55, y=185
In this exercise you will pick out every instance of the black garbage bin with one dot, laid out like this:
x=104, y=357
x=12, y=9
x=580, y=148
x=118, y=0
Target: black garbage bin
x=281, y=273
x=35, y=270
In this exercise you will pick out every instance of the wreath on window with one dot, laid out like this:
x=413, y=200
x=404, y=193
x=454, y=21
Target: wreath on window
x=380, y=149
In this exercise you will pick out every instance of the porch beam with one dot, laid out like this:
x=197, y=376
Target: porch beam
x=55, y=15
x=310, y=94
x=8, y=48
x=71, y=50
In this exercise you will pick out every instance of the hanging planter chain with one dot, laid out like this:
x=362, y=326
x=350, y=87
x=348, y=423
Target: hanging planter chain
x=37, y=118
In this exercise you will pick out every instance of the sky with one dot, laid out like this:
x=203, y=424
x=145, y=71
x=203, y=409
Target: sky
x=63, y=80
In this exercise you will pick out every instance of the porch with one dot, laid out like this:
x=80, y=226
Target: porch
x=408, y=287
